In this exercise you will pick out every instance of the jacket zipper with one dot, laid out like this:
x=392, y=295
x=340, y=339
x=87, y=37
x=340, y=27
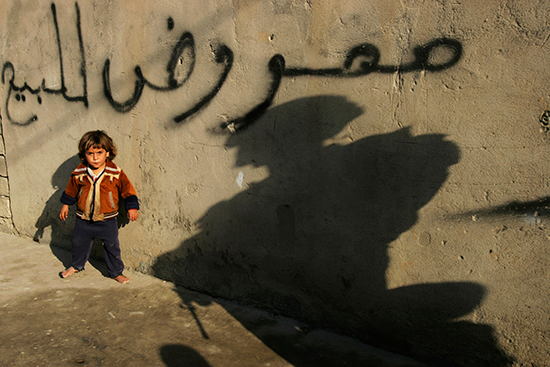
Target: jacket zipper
x=92, y=204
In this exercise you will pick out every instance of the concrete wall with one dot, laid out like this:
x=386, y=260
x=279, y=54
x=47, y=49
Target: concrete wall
x=376, y=167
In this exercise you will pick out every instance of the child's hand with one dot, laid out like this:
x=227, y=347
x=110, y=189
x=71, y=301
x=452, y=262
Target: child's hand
x=64, y=213
x=132, y=214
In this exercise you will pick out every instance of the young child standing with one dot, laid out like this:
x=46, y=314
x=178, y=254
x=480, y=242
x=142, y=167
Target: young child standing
x=95, y=186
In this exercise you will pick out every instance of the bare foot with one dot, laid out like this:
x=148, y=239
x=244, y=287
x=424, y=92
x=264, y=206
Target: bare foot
x=122, y=279
x=68, y=272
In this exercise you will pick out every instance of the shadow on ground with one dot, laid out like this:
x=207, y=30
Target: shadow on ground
x=177, y=355
x=311, y=240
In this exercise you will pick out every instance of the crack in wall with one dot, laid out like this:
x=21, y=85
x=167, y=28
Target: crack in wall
x=6, y=217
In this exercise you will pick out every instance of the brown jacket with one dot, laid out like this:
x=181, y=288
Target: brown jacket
x=98, y=201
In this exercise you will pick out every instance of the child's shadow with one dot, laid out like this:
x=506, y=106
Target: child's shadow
x=60, y=232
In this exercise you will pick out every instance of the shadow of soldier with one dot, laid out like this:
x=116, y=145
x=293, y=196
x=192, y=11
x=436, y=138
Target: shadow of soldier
x=60, y=235
x=311, y=240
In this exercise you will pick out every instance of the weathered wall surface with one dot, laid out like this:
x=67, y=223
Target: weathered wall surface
x=377, y=167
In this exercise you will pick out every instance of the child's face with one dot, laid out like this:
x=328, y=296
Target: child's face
x=96, y=157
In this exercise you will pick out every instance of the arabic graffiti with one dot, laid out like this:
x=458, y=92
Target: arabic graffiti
x=361, y=60
x=18, y=92
x=545, y=121
x=184, y=47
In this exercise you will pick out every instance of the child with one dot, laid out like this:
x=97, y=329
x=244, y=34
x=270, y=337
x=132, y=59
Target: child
x=94, y=187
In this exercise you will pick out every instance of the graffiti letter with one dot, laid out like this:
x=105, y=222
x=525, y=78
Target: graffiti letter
x=224, y=55
x=276, y=68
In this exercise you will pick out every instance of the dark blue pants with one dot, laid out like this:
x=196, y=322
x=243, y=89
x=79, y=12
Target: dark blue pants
x=83, y=239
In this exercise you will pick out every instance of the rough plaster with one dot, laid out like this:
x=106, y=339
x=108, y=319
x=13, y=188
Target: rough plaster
x=403, y=203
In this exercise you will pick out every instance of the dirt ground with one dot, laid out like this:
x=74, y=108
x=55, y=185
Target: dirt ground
x=90, y=320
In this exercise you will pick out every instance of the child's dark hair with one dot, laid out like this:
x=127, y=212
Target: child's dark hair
x=96, y=139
